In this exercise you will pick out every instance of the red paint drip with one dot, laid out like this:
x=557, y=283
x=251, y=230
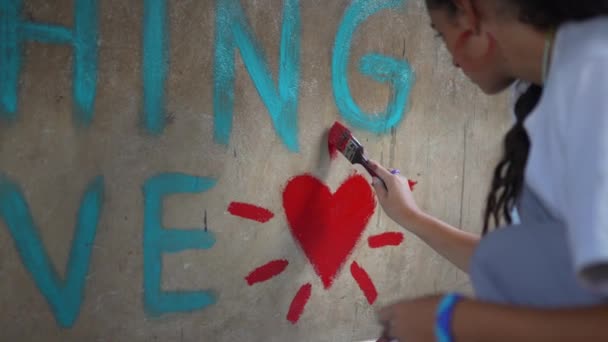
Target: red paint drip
x=327, y=226
x=250, y=211
x=265, y=272
x=298, y=303
x=364, y=282
x=412, y=184
x=386, y=239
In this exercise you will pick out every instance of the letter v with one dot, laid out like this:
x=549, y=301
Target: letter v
x=63, y=296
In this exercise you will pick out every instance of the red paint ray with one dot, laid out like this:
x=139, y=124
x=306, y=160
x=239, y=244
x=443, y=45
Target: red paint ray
x=267, y=271
x=250, y=211
x=412, y=184
x=298, y=303
x=386, y=239
x=364, y=282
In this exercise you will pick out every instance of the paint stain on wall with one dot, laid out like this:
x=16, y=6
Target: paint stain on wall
x=232, y=31
x=64, y=294
x=155, y=64
x=299, y=303
x=265, y=272
x=386, y=239
x=384, y=69
x=158, y=240
x=364, y=281
x=412, y=184
x=14, y=31
x=250, y=211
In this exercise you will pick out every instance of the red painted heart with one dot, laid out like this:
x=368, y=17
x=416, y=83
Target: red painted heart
x=327, y=226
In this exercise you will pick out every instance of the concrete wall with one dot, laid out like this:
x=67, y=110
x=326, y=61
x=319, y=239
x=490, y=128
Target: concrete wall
x=126, y=123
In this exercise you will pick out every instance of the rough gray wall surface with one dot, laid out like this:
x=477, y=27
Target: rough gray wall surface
x=448, y=141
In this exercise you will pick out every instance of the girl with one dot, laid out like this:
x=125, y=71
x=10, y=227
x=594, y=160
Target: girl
x=545, y=277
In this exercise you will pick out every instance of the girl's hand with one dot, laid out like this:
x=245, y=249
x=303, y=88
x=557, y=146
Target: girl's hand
x=398, y=202
x=410, y=320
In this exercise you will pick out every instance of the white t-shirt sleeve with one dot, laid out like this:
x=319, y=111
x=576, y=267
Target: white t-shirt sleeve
x=586, y=173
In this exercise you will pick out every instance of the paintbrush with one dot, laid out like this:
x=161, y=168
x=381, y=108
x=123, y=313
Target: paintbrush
x=341, y=139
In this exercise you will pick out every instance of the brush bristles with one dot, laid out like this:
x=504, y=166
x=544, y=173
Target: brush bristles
x=338, y=137
x=341, y=139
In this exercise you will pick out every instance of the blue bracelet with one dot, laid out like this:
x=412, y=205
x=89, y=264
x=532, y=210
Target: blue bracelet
x=445, y=313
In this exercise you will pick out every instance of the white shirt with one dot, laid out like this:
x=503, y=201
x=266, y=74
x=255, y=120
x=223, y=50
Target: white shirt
x=568, y=162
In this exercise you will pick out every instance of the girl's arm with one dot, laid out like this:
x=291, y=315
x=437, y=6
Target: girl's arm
x=476, y=321
x=453, y=244
x=398, y=203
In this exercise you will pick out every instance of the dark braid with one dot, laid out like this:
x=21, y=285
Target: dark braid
x=508, y=180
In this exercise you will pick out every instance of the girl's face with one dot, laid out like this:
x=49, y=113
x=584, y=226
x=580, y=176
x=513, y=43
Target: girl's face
x=473, y=48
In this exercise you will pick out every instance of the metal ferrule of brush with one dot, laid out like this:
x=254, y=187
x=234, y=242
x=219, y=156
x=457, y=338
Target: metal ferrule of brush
x=353, y=151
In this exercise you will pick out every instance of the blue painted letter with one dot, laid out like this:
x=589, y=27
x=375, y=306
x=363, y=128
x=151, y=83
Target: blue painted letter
x=14, y=31
x=380, y=68
x=65, y=296
x=232, y=30
x=155, y=64
x=158, y=240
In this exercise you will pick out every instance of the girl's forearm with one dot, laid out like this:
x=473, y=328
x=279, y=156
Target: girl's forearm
x=453, y=244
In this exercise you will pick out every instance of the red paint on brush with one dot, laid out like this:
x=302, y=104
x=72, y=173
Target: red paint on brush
x=337, y=139
x=386, y=239
x=250, y=211
x=412, y=184
x=364, y=282
x=327, y=226
x=265, y=272
x=298, y=303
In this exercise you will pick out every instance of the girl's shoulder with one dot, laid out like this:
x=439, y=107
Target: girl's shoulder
x=576, y=42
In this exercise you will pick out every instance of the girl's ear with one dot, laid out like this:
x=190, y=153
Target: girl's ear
x=473, y=48
x=473, y=52
x=469, y=16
